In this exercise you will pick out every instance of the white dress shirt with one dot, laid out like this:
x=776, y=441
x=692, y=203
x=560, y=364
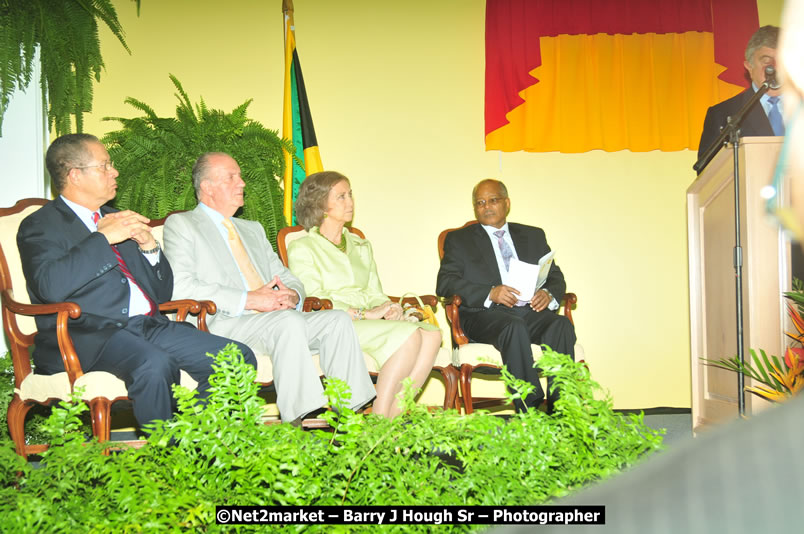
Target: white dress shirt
x=501, y=264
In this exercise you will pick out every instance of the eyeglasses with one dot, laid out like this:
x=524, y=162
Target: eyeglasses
x=491, y=202
x=106, y=166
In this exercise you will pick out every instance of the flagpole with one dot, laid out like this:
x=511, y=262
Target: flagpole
x=287, y=107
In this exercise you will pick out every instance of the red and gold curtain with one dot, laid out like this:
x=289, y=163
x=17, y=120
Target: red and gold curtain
x=580, y=75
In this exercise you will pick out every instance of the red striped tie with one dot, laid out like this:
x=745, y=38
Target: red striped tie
x=123, y=267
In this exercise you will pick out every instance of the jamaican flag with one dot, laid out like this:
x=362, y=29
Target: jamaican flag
x=297, y=122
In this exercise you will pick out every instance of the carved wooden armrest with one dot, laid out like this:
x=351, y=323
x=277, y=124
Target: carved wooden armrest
x=64, y=311
x=570, y=301
x=459, y=337
x=451, y=305
x=315, y=304
x=199, y=308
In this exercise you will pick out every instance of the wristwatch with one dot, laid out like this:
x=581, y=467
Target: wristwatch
x=157, y=248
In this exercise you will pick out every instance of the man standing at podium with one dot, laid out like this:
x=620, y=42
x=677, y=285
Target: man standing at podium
x=765, y=118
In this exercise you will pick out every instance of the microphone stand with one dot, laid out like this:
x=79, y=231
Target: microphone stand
x=731, y=134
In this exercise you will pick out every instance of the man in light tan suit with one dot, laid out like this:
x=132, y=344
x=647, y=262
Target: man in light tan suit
x=228, y=260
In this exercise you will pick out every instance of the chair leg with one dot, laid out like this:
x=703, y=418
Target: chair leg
x=450, y=386
x=456, y=377
x=466, y=388
x=99, y=409
x=17, y=411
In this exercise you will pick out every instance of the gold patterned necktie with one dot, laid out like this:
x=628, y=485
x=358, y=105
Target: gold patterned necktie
x=251, y=275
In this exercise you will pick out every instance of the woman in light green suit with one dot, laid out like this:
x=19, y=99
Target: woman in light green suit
x=335, y=264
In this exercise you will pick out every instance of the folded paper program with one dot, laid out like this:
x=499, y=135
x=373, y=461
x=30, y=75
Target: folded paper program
x=527, y=278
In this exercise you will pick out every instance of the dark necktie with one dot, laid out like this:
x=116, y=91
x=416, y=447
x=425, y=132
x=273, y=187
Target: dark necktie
x=775, y=116
x=124, y=268
x=505, y=250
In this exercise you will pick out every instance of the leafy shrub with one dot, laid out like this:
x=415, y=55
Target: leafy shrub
x=221, y=453
x=155, y=157
x=6, y=392
x=66, y=34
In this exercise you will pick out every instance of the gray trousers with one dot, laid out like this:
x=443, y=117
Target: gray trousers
x=290, y=338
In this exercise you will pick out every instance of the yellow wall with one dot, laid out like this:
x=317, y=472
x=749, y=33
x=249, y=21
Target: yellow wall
x=396, y=90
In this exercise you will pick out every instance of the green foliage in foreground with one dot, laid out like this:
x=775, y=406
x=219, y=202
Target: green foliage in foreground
x=222, y=453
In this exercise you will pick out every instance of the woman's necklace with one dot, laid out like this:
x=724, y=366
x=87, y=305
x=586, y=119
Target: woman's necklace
x=342, y=245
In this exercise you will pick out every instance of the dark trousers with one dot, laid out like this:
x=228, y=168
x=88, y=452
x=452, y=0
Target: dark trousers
x=511, y=331
x=147, y=355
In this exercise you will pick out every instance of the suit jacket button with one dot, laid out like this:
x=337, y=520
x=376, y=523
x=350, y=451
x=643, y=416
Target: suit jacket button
x=119, y=325
x=122, y=280
x=124, y=311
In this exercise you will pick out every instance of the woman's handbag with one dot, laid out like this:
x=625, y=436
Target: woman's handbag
x=418, y=313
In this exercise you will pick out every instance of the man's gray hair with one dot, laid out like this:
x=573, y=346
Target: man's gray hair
x=201, y=170
x=499, y=184
x=765, y=36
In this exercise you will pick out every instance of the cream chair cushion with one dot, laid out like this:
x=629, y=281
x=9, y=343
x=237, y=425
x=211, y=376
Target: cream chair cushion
x=8, y=240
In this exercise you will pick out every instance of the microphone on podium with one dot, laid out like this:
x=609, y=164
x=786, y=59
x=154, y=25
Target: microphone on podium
x=770, y=77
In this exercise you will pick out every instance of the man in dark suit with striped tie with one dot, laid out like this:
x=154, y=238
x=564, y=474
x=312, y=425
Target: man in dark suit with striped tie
x=77, y=249
x=475, y=267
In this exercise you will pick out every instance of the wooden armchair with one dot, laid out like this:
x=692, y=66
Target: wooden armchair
x=469, y=356
x=101, y=389
x=443, y=362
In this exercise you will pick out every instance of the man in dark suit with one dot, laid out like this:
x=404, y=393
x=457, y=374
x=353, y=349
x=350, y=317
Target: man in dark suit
x=759, y=53
x=76, y=249
x=766, y=116
x=475, y=267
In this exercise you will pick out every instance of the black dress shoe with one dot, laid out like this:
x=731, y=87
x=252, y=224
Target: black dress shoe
x=316, y=414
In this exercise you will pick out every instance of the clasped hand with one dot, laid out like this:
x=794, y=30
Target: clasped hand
x=271, y=297
x=121, y=225
x=508, y=296
x=390, y=311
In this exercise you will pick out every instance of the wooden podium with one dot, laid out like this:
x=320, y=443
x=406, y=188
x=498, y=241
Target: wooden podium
x=766, y=275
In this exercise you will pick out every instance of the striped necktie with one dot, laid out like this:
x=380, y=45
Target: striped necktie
x=505, y=250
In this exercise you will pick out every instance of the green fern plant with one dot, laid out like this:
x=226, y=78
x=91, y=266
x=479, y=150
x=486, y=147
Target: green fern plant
x=221, y=452
x=66, y=32
x=155, y=157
